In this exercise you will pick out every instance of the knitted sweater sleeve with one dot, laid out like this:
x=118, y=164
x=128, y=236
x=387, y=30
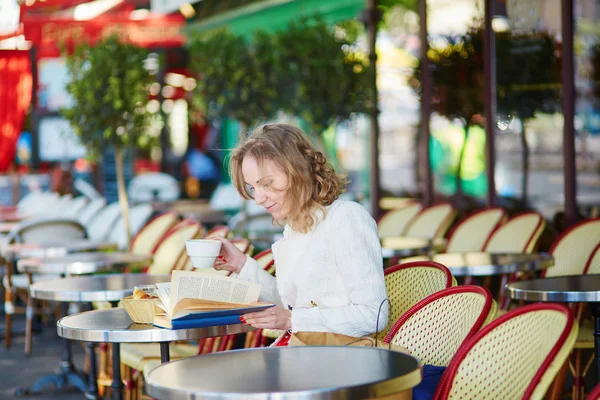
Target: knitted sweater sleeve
x=357, y=254
x=252, y=272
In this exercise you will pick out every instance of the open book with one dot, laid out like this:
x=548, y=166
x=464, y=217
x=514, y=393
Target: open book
x=198, y=299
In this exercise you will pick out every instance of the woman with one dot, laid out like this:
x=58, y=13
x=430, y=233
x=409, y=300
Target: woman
x=329, y=264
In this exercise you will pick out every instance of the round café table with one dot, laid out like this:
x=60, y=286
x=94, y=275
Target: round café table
x=75, y=264
x=305, y=372
x=565, y=289
x=53, y=248
x=485, y=264
x=82, y=263
x=86, y=289
x=115, y=326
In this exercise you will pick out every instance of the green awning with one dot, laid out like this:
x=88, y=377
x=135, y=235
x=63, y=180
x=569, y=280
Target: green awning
x=245, y=17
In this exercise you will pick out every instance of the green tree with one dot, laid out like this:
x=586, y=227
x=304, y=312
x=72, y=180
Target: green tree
x=527, y=76
x=309, y=70
x=457, y=73
x=109, y=86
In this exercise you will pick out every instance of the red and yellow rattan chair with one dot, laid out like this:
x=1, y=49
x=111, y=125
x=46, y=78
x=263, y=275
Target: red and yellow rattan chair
x=431, y=222
x=244, y=245
x=394, y=222
x=169, y=254
x=265, y=261
x=595, y=393
x=585, y=338
x=472, y=233
x=519, y=234
x=219, y=230
x=572, y=249
x=434, y=328
x=148, y=237
x=516, y=356
x=409, y=283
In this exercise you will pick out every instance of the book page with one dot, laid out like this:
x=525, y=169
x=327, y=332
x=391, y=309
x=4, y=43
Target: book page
x=207, y=286
x=163, y=290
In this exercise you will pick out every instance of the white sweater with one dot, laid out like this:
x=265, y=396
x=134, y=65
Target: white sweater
x=331, y=277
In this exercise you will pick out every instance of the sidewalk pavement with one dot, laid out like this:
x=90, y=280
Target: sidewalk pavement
x=16, y=370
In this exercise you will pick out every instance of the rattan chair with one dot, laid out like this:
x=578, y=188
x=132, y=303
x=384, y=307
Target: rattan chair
x=265, y=261
x=409, y=283
x=244, y=245
x=573, y=248
x=149, y=236
x=394, y=222
x=431, y=222
x=519, y=234
x=36, y=231
x=219, y=230
x=472, y=233
x=434, y=328
x=516, y=356
x=595, y=393
x=585, y=338
x=170, y=252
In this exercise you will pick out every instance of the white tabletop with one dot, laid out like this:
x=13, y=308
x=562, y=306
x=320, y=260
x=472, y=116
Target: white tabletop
x=114, y=326
x=305, y=372
x=111, y=287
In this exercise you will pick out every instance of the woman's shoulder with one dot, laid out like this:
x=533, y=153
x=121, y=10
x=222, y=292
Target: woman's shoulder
x=346, y=208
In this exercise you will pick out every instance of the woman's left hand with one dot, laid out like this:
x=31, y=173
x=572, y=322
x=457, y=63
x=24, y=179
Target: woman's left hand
x=272, y=318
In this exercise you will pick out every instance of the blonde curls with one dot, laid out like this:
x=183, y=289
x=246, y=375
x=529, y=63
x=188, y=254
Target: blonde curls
x=312, y=182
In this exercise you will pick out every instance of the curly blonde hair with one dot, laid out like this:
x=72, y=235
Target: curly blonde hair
x=312, y=182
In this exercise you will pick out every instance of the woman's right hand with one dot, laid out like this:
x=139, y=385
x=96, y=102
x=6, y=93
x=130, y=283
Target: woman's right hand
x=230, y=258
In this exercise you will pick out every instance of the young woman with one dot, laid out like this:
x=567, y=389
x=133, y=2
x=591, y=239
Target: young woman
x=329, y=264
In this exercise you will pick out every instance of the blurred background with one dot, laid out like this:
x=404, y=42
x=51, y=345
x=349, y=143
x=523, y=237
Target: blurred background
x=217, y=68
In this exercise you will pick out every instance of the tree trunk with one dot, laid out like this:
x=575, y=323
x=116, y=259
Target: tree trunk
x=122, y=192
x=459, y=191
x=525, y=162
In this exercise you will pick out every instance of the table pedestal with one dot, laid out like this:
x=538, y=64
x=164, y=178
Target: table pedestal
x=68, y=374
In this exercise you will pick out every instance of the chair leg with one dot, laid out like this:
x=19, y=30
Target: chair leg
x=577, y=376
x=555, y=390
x=29, y=312
x=8, y=310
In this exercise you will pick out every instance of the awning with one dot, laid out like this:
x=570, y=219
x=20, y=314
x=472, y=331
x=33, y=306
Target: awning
x=245, y=17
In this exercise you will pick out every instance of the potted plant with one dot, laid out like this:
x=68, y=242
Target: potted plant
x=110, y=90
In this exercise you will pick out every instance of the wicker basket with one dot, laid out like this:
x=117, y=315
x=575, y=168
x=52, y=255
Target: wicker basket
x=140, y=311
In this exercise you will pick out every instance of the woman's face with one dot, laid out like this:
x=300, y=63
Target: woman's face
x=268, y=185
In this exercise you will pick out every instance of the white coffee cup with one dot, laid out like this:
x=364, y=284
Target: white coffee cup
x=203, y=252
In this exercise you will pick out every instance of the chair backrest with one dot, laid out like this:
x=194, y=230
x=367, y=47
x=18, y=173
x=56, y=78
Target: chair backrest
x=592, y=266
x=516, y=356
x=90, y=210
x=47, y=230
x=153, y=186
x=219, y=230
x=572, y=249
x=244, y=245
x=146, y=239
x=99, y=227
x=434, y=329
x=518, y=235
x=265, y=260
x=394, y=222
x=409, y=283
x=170, y=251
x=472, y=232
x=138, y=216
x=75, y=207
x=431, y=222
